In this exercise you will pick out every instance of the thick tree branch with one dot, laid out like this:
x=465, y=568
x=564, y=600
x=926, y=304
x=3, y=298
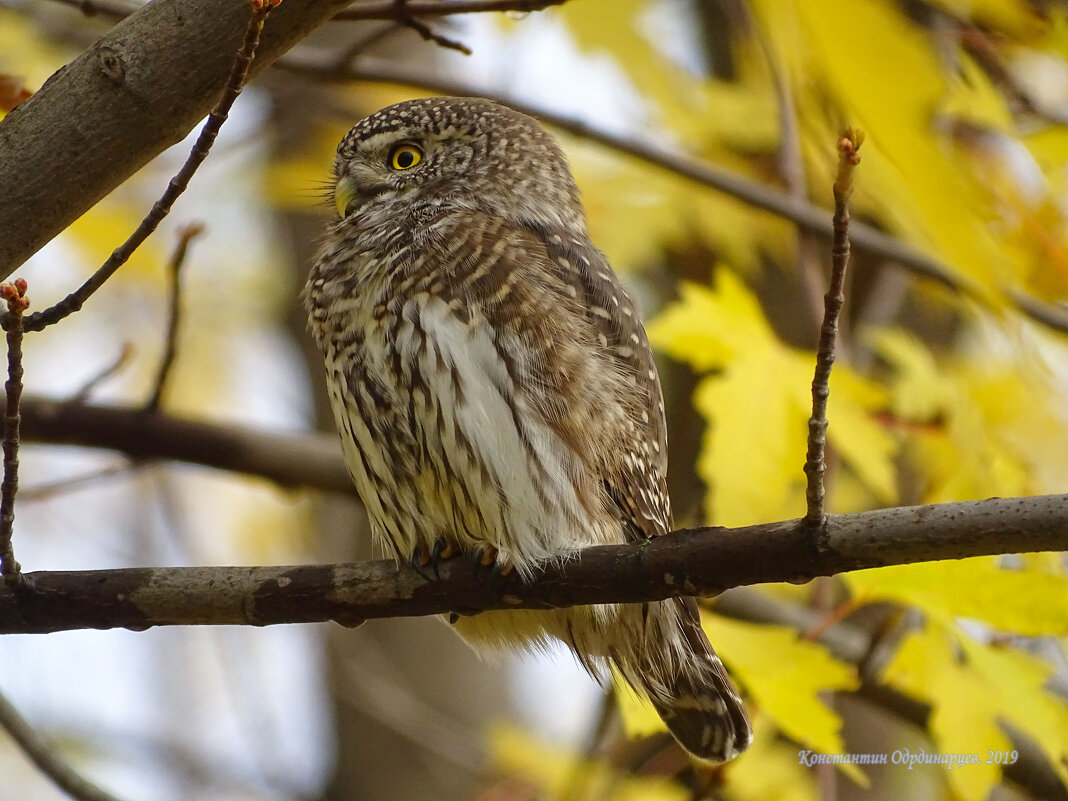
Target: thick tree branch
x=139, y=89
x=689, y=562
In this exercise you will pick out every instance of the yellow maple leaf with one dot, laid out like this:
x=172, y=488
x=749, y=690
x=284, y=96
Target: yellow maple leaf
x=784, y=675
x=970, y=687
x=758, y=405
x=771, y=770
x=1026, y=602
x=558, y=772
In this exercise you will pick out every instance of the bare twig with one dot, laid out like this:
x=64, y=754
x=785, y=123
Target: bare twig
x=427, y=8
x=405, y=17
x=46, y=758
x=17, y=303
x=186, y=235
x=768, y=198
x=61, y=486
x=689, y=562
x=73, y=302
x=815, y=463
x=121, y=360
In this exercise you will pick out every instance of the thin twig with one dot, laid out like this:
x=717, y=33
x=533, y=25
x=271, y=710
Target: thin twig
x=123, y=358
x=429, y=8
x=805, y=215
x=405, y=17
x=43, y=492
x=815, y=462
x=174, y=269
x=73, y=302
x=17, y=303
x=46, y=758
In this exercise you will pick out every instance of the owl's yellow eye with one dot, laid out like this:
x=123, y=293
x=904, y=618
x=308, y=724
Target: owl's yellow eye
x=404, y=157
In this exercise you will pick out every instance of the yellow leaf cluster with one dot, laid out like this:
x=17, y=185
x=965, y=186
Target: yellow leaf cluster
x=962, y=420
x=971, y=686
x=558, y=773
x=754, y=451
x=945, y=155
x=784, y=675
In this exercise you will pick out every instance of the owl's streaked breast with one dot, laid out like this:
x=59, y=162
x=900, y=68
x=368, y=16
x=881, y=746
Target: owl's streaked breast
x=447, y=427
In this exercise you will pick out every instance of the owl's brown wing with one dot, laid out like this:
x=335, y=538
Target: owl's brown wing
x=638, y=485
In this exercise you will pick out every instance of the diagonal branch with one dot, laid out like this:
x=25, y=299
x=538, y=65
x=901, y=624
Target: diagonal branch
x=688, y=562
x=47, y=758
x=235, y=81
x=139, y=89
x=808, y=217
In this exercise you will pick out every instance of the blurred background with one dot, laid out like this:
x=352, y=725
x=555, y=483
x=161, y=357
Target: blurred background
x=952, y=387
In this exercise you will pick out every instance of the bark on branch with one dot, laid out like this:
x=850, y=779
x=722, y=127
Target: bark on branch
x=689, y=562
x=139, y=89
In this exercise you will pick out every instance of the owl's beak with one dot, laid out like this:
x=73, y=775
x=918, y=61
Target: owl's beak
x=344, y=193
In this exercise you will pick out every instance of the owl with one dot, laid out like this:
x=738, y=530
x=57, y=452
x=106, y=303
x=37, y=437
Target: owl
x=495, y=391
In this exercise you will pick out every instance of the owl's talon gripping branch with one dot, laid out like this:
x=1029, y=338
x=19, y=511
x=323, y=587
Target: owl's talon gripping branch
x=489, y=568
x=423, y=557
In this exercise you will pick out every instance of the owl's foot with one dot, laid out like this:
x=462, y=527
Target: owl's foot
x=424, y=558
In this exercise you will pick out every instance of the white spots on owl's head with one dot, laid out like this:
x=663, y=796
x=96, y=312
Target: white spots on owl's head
x=474, y=154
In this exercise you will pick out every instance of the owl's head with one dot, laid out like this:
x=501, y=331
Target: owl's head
x=465, y=153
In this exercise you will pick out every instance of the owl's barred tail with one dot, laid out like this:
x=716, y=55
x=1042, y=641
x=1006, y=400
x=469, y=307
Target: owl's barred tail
x=704, y=712
x=697, y=700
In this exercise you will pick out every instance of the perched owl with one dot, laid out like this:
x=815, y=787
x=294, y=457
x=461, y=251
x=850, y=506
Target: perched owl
x=495, y=391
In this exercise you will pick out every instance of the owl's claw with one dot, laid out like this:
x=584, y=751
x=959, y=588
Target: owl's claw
x=418, y=561
x=489, y=568
x=423, y=557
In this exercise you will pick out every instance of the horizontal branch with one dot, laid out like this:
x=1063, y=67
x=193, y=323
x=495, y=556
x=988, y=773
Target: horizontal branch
x=689, y=562
x=308, y=460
